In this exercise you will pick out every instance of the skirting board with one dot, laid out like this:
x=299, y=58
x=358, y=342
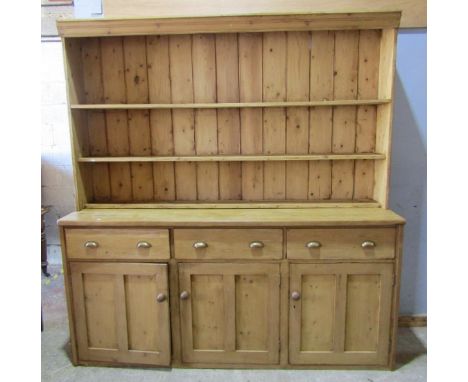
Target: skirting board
x=411, y=321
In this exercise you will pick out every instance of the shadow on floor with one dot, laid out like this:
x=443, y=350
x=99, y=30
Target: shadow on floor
x=409, y=347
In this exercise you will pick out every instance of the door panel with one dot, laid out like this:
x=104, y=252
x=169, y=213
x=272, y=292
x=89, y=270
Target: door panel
x=317, y=313
x=231, y=313
x=362, y=313
x=208, y=312
x=341, y=314
x=118, y=318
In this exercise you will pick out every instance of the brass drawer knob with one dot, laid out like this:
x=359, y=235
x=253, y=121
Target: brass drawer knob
x=143, y=244
x=200, y=245
x=295, y=295
x=161, y=297
x=313, y=244
x=256, y=244
x=368, y=244
x=184, y=295
x=91, y=244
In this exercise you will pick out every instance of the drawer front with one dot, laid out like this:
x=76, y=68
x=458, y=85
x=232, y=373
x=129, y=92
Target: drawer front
x=341, y=243
x=119, y=244
x=228, y=243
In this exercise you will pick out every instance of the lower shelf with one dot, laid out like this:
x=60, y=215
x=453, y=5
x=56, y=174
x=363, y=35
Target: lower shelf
x=365, y=203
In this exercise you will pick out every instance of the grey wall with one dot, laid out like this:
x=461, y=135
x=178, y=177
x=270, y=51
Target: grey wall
x=408, y=176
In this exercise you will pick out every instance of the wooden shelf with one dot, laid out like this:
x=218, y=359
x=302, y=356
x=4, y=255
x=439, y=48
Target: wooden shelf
x=233, y=158
x=235, y=204
x=233, y=105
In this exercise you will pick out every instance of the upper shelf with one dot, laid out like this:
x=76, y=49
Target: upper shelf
x=224, y=24
x=231, y=105
x=235, y=158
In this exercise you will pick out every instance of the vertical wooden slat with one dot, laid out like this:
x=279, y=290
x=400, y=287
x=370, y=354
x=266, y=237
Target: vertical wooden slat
x=185, y=284
x=180, y=53
x=321, y=118
x=162, y=140
x=274, y=316
x=344, y=117
x=94, y=93
x=112, y=58
x=121, y=313
x=297, y=127
x=274, y=119
x=369, y=51
x=250, y=86
x=340, y=313
x=79, y=309
x=384, y=115
x=229, y=313
x=138, y=120
x=295, y=312
x=206, y=134
x=227, y=87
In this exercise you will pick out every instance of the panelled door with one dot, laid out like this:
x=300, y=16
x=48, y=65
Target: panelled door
x=340, y=313
x=122, y=312
x=230, y=312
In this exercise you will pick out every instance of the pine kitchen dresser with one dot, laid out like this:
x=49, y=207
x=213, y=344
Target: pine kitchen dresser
x=232, y=179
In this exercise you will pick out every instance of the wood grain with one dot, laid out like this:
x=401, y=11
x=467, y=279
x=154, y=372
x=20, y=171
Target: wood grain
x=413, y=11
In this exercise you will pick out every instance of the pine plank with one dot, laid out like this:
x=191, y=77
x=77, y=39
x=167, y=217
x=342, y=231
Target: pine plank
x=206, y=129
x=297, y=121
x=136, y=81
x=250, y=89
x=274, y=120
x=322, y=55
x=216, y=24
x=97, y=135
x=344, y=117
x=112, y=58
x=162, y=140
x=234, y=217
x=227, y=88
x=383, y=141
x=230, y=105
x=180, y=53
x=237, y=158
x=369, y=54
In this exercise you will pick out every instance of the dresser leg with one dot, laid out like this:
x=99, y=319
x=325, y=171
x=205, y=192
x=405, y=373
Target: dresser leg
x=44, y=269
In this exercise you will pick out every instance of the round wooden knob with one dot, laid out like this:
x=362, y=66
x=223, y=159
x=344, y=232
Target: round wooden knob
x=184, y=295
x=295, y=295
x=161, y=297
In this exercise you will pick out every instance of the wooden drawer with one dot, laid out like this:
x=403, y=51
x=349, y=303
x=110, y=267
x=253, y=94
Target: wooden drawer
x=119, y=244
x=228, y=243
x=341, y=243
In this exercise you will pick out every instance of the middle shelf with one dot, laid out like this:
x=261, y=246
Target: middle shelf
x=230, y=105
x=235, y=158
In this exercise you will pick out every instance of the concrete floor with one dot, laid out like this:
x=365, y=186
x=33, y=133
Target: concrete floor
x=56, y=365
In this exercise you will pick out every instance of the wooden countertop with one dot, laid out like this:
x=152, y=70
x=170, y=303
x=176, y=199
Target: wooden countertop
x=231, y=217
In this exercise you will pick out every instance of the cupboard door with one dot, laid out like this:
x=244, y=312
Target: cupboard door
x=340, y=313
x=121, y=312
x=230, y=313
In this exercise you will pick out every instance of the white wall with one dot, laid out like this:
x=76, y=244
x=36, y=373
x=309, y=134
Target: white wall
x=408, y=183
x=56, y=171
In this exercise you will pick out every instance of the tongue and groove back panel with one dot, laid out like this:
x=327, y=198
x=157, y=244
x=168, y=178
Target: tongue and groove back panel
x=284, y=68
